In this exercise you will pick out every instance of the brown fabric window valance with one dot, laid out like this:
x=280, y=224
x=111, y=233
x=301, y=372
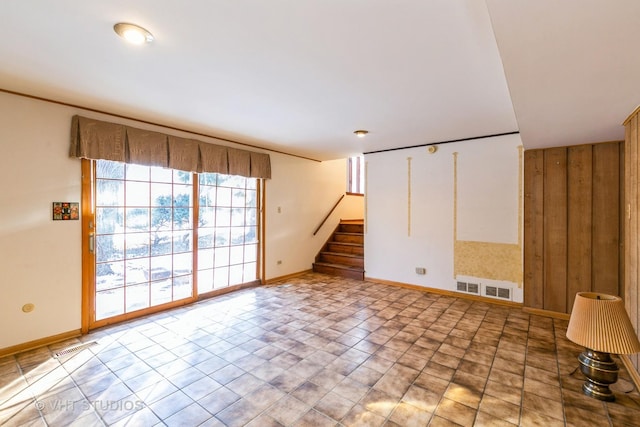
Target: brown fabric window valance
x=214, y=157
x=239, y=162
x=147, y=148
x=92, y=139
x=98, y=140
x=184, y=154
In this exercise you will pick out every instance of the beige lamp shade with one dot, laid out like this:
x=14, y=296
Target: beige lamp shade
x=600, y=322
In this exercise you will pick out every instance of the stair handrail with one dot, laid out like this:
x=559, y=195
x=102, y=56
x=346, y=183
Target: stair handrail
x=329, y=214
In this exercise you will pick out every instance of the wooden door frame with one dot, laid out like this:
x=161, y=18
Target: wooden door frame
x=88, y=256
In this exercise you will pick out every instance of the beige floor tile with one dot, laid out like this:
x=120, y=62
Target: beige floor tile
x=311, y=351
x=334, y=406
x=438, y=421
x=309, y=393
x=464, y=395
x=288, y=409
x=439, y=371
x=314, y=418
x=379, y=402
x=582, y=417
x=499, y=409
x=397, y=380
x=532, y=418
x=238, y=414
x=358, y=416
x=456, y=412
x=422, y=398
x=543, y=389
x=549, y=407
x=410, y=416
x=486, y=420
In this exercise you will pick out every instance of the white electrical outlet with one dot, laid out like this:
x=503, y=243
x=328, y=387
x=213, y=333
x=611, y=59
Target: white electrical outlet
x=421, y=270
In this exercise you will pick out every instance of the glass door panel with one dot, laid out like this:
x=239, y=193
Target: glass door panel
x=143, y=237
x=226, y=231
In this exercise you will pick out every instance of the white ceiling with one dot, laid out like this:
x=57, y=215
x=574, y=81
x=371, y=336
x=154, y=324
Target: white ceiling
x=300, y=76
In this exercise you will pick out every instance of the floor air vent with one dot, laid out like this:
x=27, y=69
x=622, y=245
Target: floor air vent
x=75, y=349
x=504, y=293
x=471, y=288
x=494, y=291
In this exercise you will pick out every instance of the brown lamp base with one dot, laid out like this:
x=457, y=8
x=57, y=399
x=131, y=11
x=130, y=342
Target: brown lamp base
x=601, y=371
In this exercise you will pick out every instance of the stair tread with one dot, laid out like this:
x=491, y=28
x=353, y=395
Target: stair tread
x=342, y=254
x=341, y=266
x=343, y=249
x=346, y=245
x=349, y=233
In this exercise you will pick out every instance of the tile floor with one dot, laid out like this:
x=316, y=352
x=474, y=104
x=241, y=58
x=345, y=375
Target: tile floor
x=314, y=351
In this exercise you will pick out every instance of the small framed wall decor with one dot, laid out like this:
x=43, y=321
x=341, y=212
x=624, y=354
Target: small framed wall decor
x=63, y=211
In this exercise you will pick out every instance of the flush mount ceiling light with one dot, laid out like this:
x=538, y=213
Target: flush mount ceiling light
x=361, y=133
x=132, y=33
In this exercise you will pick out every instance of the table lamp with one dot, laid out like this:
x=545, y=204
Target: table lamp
x=600, y=323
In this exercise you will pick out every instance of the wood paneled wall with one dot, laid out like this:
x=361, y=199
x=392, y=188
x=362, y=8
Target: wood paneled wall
x=632, y=224
x=572, y=223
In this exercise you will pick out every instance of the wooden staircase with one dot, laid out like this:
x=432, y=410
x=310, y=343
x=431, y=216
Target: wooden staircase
x=343, y=254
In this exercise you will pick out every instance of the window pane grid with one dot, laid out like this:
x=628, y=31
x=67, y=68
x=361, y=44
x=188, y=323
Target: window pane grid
x=143, y=237
x=227, y=224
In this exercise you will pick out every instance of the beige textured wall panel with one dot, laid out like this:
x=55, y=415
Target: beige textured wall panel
x=496, y=261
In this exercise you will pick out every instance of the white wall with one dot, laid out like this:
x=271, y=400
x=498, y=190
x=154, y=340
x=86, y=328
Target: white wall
x=40, y=259
x=405, y=231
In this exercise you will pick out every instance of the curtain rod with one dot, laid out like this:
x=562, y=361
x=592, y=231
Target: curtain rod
x=443, y=142
x=121, y=116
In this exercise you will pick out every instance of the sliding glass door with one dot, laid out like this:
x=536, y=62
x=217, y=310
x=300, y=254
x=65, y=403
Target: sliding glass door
x=149, y=229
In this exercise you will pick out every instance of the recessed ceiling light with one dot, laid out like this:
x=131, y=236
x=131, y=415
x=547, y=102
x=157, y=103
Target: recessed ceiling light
x=361, y=133
x=132, y=33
